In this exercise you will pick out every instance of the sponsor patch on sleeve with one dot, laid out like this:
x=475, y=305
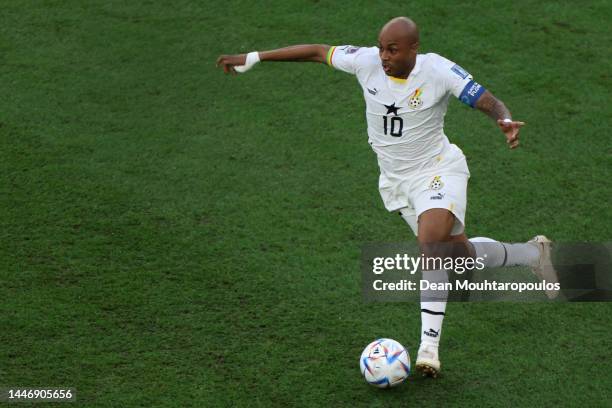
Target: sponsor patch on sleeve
x=460, y=71
x=351, y=50
x=471, y=93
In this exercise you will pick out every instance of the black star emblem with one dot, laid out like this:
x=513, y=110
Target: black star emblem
x=392, y=108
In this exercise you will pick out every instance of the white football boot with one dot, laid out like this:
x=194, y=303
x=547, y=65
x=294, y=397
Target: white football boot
x=428, y=363
x=543, y=268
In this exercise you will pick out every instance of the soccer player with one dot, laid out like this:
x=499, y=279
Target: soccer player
x=423, y=176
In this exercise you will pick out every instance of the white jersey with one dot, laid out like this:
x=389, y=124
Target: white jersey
x=406, y=118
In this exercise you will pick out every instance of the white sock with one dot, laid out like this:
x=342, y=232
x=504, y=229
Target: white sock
x=495, y=253
x=433, y=307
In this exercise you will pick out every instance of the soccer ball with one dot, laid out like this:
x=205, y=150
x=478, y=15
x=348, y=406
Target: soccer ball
x=385, y=363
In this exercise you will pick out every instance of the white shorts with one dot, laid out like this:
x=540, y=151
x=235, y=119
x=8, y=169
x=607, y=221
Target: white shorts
x=443, y=184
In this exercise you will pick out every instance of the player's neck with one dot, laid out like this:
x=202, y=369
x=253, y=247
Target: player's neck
x=403, y=77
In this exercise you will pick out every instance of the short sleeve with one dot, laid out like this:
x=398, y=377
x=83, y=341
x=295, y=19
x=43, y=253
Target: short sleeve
x=458, y=81
x=344, y=57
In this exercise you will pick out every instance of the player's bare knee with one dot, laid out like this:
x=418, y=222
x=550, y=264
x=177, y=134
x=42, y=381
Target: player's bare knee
x=432, y=236
x=435, y=225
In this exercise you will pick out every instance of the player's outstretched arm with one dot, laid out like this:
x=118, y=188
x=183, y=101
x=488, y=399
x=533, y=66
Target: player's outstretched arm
x=296, y=53
x=496, y=109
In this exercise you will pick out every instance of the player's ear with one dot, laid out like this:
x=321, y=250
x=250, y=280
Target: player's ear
x=415, y=46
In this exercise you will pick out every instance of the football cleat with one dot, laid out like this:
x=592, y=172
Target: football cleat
x=428, y=363
x=543, y=268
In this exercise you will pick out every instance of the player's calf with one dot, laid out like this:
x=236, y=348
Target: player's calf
x=434, y=236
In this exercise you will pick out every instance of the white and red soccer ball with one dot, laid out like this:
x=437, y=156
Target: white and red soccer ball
x=385, y=363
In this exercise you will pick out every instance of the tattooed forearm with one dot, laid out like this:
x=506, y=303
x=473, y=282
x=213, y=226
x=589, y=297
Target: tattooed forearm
x=492, y=106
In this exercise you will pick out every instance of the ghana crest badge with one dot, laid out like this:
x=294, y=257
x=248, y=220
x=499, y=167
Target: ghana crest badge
x=436, y=183
x=415, y=100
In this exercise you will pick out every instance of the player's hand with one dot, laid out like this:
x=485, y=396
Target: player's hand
x=228, y=62
x=511, y=130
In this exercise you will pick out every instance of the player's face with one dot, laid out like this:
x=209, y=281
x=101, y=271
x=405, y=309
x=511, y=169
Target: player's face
x=397, y=56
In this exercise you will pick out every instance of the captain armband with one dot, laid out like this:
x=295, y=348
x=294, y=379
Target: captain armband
x=471, y=93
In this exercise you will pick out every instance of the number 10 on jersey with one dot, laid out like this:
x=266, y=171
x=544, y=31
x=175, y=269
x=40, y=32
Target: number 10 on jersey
x=393, y=126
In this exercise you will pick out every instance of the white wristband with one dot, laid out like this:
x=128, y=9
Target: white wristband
x=507, y=120
x=252, y=58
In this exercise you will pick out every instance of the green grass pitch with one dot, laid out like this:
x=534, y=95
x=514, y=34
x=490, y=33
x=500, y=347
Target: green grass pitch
x=174, y=237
